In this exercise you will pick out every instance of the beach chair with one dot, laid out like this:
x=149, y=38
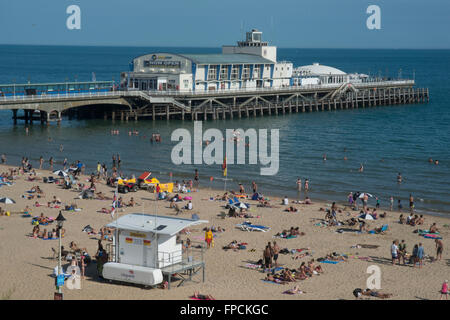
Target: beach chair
x=250, y=227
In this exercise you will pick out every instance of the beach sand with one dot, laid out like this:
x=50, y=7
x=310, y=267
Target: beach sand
x=26, y=265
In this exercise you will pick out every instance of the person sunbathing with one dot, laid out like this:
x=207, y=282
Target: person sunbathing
x=433, y=228
x=413, y=221
x=294, y=290
x=377, y=294
x=335, y=257
x=291, y=209
x=199, y=296
x=43, y=220
x=132, y=203
x=35, y=231
x=232, y=245
x=303, y=271
x=313, y=267
x=286, y=275
x=56, y=200
x=273, y=278
x=75, y=248
x=101, y=196
x=45, y=234
x=421, y=220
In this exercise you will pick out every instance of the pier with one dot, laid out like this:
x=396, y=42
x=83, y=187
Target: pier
x=133, y=105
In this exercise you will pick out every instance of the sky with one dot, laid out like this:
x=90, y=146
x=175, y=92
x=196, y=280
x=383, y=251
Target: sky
x=418, y=24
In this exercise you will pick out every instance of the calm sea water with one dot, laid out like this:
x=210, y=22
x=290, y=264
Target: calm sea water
x=387, y=140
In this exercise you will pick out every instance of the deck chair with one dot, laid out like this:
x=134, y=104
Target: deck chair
x=250, y=227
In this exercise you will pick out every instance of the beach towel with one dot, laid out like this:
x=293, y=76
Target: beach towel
x=288, y=292
x=271, y=282
x=422, y=232
x=193, y=298
x=49, y=238
x=432, y=236
x=329, y=261
x=252, y=266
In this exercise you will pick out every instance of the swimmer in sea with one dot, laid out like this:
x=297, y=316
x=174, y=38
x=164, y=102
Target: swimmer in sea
x=361, y=168
x=399, y=178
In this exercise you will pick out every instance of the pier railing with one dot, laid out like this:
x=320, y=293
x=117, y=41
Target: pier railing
x=175, y=93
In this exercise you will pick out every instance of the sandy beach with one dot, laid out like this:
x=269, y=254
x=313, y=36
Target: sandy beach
x=26, y=265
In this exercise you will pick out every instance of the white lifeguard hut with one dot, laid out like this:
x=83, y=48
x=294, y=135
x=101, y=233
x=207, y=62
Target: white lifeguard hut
x=145, y=250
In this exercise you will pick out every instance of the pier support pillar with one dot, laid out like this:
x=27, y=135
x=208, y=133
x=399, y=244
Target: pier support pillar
x=167, y=112
x=334, y=104
x=223, y=113
x=269, y=107
x=303, y=106
x=182, y=114
x=276, y=108
x=113, y=116
x=15, y=116
x=231, y=111
x=153, y=112
x=122, y=116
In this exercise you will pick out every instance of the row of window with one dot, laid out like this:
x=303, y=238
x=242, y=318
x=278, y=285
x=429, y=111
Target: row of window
x=234, y=74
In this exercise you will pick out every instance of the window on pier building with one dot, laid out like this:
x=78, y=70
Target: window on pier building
x=246, y=72
x=257, y=72
x=212, y=72
x=235, y=72
x=223, y=72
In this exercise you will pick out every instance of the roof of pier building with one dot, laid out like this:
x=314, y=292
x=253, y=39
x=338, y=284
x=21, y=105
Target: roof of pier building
x=318, y=69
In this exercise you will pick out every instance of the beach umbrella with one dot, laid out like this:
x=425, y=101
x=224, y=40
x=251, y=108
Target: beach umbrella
x=366, y=217
x=60, y=173
x=7, y=200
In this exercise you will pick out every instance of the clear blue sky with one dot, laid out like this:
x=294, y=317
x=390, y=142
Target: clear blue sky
x=211, y=23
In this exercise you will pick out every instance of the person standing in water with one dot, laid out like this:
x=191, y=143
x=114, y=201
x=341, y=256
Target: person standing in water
x=411, y=203
x=306, y=185
x=299, y=184
x=392, y=203
x=41, y=162
x=399, y=178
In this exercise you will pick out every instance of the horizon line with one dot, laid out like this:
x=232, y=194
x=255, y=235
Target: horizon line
x=207, y=47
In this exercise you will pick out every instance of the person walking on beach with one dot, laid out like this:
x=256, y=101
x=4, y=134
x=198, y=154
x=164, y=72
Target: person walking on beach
x=50, y=161
x=394, y=252
x=444, y=290
x=196, y=178
x=411, y=203
x=3, y=158
x=420, y=255
x=208, y=238
x=306, y=185
x=392, y=203
x=299, y=184
x=439, y=249
x=41, y=162
x=276, y=250
x=255, y=187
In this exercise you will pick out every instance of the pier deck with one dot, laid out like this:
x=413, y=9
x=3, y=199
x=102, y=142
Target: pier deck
x=217, y=104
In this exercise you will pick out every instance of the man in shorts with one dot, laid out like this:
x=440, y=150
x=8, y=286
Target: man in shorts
x=394, y=252
x=276, y=250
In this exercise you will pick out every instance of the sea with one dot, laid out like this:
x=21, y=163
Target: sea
x=387, y=140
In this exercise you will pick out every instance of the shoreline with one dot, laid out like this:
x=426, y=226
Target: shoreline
x=320, y=199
